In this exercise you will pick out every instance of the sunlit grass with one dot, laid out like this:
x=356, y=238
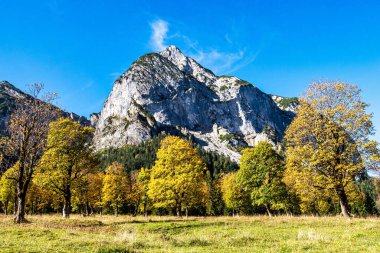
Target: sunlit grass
x=49, y=233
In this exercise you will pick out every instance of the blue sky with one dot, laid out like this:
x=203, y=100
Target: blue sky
x=78, y=48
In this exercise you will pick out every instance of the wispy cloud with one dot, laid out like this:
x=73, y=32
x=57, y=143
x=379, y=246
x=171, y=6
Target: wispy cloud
x=159, y=34
x=219, y=61
x=227, y=38
x=246, y=60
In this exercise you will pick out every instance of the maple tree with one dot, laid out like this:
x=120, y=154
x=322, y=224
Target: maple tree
x=68, y=158
x=328, y=142
x=25, y=140
x=115, y=186
x=178, y=176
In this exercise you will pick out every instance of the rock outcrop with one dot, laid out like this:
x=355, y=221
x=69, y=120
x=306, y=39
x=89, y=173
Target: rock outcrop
x=169, y=91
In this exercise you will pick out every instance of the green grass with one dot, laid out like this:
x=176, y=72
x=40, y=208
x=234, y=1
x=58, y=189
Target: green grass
x=167, y=234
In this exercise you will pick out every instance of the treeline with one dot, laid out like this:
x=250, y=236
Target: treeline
x=324, y=170
x=118, y=191
x=143, y=155
x=92, y=188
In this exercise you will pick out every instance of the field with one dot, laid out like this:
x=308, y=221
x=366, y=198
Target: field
x=49, y=233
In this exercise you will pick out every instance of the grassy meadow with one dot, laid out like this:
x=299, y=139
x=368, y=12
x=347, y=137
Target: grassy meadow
x=50, y=233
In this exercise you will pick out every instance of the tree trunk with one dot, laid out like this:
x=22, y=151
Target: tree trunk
x=343, y=202
x=186, y=212
x=20, y=213
x=268, y=211
x=136, y=207
x=21, y=189
x=6, y=207
x=91, y=210
x=14, y=206
x=67, y=205
x=145, y=210
x=178, y=210
x=116, y=209
x=32, y=208
x=87, y=209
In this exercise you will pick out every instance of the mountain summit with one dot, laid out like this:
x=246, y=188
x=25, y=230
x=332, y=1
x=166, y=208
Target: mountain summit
x=170, y=92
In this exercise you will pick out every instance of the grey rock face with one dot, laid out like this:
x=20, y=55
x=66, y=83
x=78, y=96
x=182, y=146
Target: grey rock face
x=8, y=97
x=94, y=117
x=171, y=91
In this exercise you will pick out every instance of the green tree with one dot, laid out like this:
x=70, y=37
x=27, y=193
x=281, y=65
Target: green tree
x=216, y=202
x=177, y=178
x=329, y=141
x=69, y=157
x=115, y=186
x=260, y=174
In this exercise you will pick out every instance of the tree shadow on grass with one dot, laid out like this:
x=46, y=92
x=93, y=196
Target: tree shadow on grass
x=176, y=228
x=67, y=223
x=149, y=221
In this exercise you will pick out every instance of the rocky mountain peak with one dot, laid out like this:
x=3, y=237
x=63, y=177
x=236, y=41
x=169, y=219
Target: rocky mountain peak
x=174, y=54
x=171, y=92
x=188, y=65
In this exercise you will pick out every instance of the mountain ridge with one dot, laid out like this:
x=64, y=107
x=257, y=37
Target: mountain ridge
x=9, y=95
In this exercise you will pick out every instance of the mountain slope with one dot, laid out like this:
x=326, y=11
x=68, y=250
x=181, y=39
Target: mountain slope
x=9, y=96
x=169, y=91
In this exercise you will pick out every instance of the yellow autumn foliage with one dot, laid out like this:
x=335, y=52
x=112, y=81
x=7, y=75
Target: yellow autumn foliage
x=328, y=145
x=178, y=176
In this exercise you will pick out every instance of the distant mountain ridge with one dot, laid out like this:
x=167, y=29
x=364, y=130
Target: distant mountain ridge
x=9, y=96
x=168, y=91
